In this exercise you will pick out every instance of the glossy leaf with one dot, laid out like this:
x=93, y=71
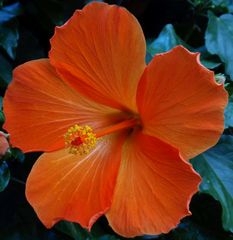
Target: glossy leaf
x=52, y=9
x=89, y=1
x=17, y=154
x=29, y=47
x=228, y=4
x=4, y=175
x=219, y=39
x=1, y=113
x=49, y=13
x=208, y=60
x=9, y=28
x=5, y=16
x=76, y=232
x=216, y=168
x=14, y=9
x=166, y=40
x=9, y=12
x=9, y=37
x=190, y=230
x=229, y=87
x=211, y=64
x=229, y=113
x=5, y=71
x=107, y=237
x=73, y=230
x=29, y=232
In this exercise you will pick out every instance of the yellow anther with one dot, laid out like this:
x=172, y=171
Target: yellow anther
x=80, y=139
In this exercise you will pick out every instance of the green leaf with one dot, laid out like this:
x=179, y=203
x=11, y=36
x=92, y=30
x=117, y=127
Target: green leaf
x=211, y=64
x=17, y=154
x=89, y=1
x=73, y=230
x=219, y=39
x=29, y=231
x=51, y=10
x=148, y=57
x=221, y=2
x=2, y=118
x=166, y=40
x=9, y=37
x=4, y=175
x=190, y=230
x=229, y=87
x=10, y=12
x=6, y=15
x=229, y=113
x=76, y=232
x=107, y=237
x=9, y=28
x=29, y=47
x=208, y=60
x=14, y=9
x=228, y=4
x=216, y=168
x=5, y=71
x=48, y=13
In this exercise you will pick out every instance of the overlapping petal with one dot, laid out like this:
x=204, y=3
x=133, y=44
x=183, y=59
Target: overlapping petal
x=100, y=51
x=153, y=190
x=180, y=102
x=72, y=187
x=39, y=108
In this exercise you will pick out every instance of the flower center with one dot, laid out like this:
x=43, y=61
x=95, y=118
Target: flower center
x=81, y=139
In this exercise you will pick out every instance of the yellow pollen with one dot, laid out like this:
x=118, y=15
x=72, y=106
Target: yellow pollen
x=80, y=139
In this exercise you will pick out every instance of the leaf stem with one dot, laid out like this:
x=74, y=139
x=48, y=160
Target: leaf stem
x=18, y=181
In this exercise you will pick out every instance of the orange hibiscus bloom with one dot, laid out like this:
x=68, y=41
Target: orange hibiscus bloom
x=128, y=127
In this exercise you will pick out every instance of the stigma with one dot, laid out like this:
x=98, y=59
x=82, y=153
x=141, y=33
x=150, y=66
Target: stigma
x=80, y=139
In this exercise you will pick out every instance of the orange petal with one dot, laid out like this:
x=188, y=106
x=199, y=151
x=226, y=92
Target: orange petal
x=78, y=189
x=180, y=102
x=154, y=188
x=100, y=51
x=39, y=108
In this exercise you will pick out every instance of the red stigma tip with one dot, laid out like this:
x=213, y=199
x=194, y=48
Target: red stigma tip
x=77, y=141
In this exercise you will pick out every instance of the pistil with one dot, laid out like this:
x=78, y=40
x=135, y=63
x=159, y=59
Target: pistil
x=81, y=139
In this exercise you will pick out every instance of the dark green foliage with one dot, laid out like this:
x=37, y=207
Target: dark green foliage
x=166, y=40
x=4, y=175
x=219, y=39
x=229, y=113
x=6, y=71
x=216, y=168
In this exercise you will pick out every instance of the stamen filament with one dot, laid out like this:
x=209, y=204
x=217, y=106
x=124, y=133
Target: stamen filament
x=81, y=139
x=119, y=126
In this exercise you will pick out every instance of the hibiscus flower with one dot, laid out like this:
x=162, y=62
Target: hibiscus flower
x=116, y=133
